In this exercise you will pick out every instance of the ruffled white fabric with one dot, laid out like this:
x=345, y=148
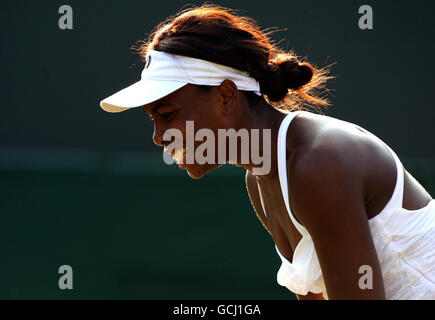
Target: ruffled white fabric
x=404, y=242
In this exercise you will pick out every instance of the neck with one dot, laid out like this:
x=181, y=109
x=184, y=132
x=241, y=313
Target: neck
x=263, y=117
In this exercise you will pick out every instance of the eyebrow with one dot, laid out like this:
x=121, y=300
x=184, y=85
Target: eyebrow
x=160, y=105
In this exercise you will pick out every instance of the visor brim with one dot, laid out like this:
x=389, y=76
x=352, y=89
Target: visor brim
x=138, y=94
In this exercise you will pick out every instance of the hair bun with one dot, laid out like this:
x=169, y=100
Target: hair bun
x=295, y=75
x=288, y=74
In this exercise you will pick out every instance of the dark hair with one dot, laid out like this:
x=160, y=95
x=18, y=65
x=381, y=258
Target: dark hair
x=221, y=36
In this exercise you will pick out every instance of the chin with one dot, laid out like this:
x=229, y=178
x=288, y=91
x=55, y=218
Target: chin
x=198, y=171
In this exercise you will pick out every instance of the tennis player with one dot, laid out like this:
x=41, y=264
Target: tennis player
x=347, y=219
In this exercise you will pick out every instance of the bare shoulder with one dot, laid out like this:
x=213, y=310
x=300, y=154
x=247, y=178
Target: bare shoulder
x=331, y=148
x=329, y=144
x=331, y=161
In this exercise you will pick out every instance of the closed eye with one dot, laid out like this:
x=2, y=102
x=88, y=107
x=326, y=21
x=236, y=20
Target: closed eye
x=167, y=112
x=164, y=111
x=167, y=115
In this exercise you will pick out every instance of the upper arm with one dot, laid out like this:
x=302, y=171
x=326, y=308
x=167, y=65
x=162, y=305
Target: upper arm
x=328, y=199
x=254, y=196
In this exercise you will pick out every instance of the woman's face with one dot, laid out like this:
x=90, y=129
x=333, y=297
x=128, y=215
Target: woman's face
x=205, y=107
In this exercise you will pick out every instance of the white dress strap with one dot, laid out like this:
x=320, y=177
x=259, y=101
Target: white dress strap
x=303, y=274
x=282, y=165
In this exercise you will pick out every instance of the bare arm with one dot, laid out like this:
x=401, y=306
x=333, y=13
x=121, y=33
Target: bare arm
x=327, y=197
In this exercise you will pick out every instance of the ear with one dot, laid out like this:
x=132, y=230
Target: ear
x=228, y=96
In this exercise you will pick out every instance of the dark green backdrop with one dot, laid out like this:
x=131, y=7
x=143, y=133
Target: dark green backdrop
x=89, y=189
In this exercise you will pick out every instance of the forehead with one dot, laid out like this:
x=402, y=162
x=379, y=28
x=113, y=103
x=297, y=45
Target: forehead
x=187, y=93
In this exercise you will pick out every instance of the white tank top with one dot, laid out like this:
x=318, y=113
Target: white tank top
x=404, y=241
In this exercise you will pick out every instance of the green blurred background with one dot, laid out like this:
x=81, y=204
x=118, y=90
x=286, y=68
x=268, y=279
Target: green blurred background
x=89, y=189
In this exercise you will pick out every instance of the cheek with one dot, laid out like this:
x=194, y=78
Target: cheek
x=203, y=107
x=200, y=115
x=160, y=126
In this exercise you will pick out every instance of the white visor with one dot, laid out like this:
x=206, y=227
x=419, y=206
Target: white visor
x=165, y=73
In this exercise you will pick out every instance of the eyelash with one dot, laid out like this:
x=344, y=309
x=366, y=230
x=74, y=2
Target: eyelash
x=167, y=115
